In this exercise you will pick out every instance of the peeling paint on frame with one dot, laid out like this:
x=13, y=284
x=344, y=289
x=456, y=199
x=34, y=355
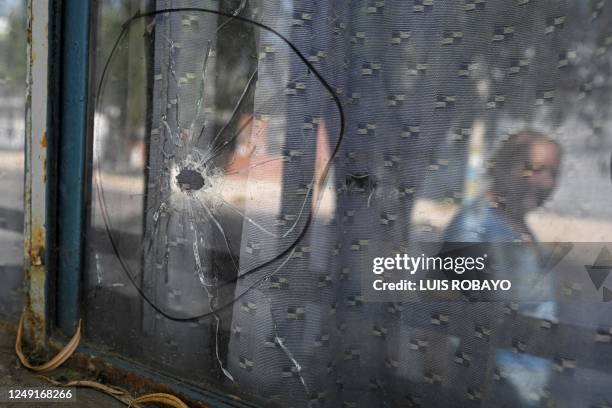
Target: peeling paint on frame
x=35, y=173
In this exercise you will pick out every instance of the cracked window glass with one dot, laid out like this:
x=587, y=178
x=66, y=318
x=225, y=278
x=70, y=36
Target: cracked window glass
x=251, y=159
x=198, y=195
x=12, y=141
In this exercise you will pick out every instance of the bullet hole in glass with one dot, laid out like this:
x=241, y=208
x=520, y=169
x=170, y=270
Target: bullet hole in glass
x=189, y=180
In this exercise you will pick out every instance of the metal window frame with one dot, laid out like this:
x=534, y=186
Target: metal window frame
x=36, y=231
x=71, y=156
x=56, y=133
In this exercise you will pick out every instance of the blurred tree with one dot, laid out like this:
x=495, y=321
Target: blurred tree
x=13, y=49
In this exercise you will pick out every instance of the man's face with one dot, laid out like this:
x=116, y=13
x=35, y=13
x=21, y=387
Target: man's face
x=539, y=176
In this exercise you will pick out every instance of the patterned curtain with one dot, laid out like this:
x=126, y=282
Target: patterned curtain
x=290, y=142
x=419, y=82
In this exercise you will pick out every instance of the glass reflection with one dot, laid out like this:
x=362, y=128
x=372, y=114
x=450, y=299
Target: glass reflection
x=198, y=260
x=12, y=140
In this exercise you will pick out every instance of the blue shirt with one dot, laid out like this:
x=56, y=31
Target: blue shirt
x=478, y=221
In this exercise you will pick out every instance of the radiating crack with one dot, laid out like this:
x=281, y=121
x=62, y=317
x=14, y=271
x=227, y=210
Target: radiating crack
x=189, y=177
x=295, y=363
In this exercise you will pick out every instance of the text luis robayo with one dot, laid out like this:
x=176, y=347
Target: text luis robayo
x=458, y=265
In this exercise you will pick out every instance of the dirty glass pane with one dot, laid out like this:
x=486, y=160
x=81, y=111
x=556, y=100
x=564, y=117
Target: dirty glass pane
x=12, y=138
x=190, y=179
x=252, y=160
x=119, y=150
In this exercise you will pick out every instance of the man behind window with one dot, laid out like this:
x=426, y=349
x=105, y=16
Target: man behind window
x=523, y=175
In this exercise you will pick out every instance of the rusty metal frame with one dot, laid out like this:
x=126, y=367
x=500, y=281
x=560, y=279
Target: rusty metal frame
x=142, y=379
x=35, y=189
